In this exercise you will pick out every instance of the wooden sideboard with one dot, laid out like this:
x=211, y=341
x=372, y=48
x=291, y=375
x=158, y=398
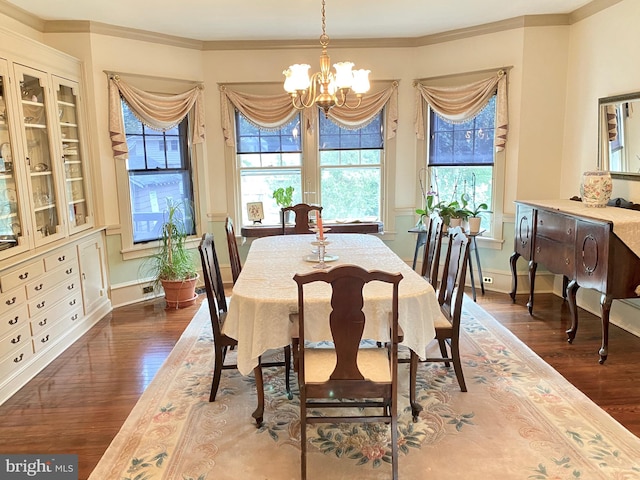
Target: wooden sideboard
x=250, y=231
x=581, y=244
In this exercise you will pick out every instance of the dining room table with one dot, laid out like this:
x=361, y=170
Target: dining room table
x=265, y=295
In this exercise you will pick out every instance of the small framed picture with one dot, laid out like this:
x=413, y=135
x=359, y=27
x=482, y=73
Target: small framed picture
x=255, y=212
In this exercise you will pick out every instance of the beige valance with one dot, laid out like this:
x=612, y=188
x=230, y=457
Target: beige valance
x=461, y=103
x=275, y=111
x=159, y=112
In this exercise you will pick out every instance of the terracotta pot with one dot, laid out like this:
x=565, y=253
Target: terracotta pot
x=180, y=294
x=474, y=224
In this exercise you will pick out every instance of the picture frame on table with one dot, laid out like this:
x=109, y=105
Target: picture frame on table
x=255, y=212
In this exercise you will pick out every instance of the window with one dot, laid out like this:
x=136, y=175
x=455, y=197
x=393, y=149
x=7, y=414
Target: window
x=159, y=169
x=268, y=160
x=461, y=160
x=351, y=170
x=345, y=169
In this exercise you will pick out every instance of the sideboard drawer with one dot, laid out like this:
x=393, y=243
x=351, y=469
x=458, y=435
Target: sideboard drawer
x=14, y=319
x=558, y=257
x=24, y=274
x=15, y=339
x=556, y=227
x=61, y=257
x=12, y=299
x=524, y=231
x=49, y=336
x=14, y=362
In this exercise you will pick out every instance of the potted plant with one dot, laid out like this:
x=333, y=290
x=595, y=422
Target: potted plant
x=474, y=217
x=447, y=211
x=284, y=198
x=173, y=266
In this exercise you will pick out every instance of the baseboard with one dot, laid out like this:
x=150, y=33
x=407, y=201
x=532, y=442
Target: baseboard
x=37, y=364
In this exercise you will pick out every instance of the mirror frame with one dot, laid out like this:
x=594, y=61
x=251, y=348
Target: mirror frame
x=603, y=150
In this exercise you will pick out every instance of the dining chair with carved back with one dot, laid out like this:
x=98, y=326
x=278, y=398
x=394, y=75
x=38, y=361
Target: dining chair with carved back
x=363, y=376
x=217, y=303
x=301, y=213
x=234, y=254
x=432, y=249
x=450, y=297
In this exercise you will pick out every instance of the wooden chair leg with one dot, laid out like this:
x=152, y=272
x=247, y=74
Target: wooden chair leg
x=416, y=408
x=258, y=414
x=287, y=371
x=303, y=438
x=295, y=344
x=457, y=366
x=443, y=350
x=217, y=372
x=394, y=442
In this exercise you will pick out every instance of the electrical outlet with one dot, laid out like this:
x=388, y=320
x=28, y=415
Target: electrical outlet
x=487, y=279
x=147, y=289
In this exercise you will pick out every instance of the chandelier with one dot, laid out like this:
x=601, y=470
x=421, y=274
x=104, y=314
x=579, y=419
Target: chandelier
x=325, y=88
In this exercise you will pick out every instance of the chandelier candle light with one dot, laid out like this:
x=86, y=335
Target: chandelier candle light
x=325, y=88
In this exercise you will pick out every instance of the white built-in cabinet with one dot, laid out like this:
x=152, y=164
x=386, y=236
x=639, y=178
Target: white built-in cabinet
x=52, y=260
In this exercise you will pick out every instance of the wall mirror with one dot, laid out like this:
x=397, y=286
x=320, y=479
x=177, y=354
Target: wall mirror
x=619, y=135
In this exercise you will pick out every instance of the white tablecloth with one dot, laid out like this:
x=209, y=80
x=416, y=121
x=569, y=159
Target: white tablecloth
x=265, y=294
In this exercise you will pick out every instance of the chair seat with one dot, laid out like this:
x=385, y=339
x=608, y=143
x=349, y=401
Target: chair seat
x=373, y=363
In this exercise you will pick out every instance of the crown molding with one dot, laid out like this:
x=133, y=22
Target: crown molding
x=82, y=26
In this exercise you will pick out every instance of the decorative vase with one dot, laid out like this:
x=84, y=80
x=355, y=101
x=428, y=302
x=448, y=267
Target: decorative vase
x=596, y=188
x=474, y=224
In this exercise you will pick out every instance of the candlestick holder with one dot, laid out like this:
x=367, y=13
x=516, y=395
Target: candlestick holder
x=321, y=244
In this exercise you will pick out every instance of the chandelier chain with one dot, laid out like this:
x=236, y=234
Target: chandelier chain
x=324, y=38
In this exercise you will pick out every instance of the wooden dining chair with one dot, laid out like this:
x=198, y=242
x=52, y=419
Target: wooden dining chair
x=301, y=213
x=450, y=297
x=234, y=254
x=366, y=377
x=218, y=313
x=432, y=247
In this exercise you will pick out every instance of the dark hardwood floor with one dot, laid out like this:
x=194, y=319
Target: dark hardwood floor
x=79, y=402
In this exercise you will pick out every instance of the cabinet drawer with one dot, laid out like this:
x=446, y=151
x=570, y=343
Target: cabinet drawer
x=557, y=257
x=14, y=362
x=15, y=339
x=556, y=227
x=24, y=274
x=47, y=300
x=50, y=280
x=14, y=319
x=60, y=257
x=55, y=313
x=12, y=299
x=50, y=335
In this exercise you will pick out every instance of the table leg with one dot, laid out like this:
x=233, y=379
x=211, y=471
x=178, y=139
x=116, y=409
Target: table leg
x=481, y=278
x=258, y=414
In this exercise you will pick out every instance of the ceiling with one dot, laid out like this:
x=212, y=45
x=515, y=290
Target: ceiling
x=221, y=20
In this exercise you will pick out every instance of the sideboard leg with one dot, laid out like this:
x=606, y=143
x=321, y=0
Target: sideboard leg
x=513, y=259
x=605, y=304
x=572, y=289
x=532, y=282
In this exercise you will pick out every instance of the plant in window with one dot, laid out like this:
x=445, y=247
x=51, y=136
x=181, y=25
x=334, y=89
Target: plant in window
x=283, y=196
x=173, y=266
x=430, y=205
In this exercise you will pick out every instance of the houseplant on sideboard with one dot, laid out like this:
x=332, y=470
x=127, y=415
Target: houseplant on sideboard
x=173, y=266
x=284, y=198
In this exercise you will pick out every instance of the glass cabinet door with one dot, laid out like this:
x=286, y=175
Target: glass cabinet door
x=43, y=171
x=12, y=224
x=72, y=155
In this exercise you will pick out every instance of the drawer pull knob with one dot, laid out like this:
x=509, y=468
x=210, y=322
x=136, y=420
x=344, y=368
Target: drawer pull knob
x=61, y=258
x=38, y=287
x=23, y=276
x=569, y=230
x=41, y=304
x=45, y=339
x=16, y=340
x=12, y=301
x=42, y=323
x=75, y=317
x=567, y=261
x=19, y=358
x=69, y=271
x=13, y=321
x=537, y=249
x=70, y=287
x=72, y=302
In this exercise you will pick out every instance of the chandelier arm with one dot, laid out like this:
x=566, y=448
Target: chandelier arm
x=342, y=100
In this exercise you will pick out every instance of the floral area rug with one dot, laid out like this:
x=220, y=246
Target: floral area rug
x=520, y=419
